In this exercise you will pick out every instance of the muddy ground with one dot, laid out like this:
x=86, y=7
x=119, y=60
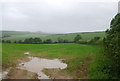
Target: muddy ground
x=57, y=74
x=16, y=73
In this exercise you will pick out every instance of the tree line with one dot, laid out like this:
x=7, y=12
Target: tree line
x=36, y=40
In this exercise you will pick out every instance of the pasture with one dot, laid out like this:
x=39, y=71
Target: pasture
x=80, y=58
x=17, y=35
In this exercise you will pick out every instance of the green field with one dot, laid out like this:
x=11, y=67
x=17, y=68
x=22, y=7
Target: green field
x=17, y=35
x=73, y=54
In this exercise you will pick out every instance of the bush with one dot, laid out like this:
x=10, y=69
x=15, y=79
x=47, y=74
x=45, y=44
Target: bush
x=106, y=65
x=112, y=48
x=82, y=42
x=95, y=40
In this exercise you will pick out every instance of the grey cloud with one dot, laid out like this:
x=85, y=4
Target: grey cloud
x=67, y=17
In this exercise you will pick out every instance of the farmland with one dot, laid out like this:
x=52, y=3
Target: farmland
x=80, y=58
x=17, y=35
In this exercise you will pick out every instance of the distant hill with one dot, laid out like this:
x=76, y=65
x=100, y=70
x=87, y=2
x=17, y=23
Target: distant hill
x=18, y=35
x=70, y=36
x=10, y=33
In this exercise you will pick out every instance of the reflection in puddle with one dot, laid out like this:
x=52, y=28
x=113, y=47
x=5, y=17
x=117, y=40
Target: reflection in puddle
x=36, y=65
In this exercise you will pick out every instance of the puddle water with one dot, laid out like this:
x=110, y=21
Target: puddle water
x=0, y=76
x=36, y=65
x=3, y=75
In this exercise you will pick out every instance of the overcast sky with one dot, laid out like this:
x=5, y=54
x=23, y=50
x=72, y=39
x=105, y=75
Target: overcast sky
x=57, y=16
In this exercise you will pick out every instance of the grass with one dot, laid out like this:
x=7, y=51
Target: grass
x=77, y=56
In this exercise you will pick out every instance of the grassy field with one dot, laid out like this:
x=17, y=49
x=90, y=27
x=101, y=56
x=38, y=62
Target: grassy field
x=78, y=57
x=16, y=35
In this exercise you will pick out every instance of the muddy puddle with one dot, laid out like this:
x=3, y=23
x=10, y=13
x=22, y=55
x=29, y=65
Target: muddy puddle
x=0, y=76
x=36, y=65
x=3, y=75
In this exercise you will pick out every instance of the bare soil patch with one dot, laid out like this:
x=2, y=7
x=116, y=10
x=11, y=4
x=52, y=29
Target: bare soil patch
x=57, y=74
x=16, y=73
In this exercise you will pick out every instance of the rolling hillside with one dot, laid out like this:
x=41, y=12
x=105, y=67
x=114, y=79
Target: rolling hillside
x=17, y=35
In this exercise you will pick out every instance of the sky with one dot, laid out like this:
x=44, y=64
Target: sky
x=57, y=16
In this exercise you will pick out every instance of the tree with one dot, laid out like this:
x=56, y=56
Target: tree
x=95, y=40
x=20, y=41
x=77, y=38
x=15, y=41
x=32, y=41
x=37, y=40
x=112, y=49
x=48, y=41
x=3, y=41
x=26, y=41
x=65, y=41
x=8, y=41
x=60, y=40
x=29, y=41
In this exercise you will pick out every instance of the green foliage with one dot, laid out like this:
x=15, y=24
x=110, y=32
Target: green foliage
x=98, y=65
x=3, y=41
x=106, y=65
x=82, y=42
x=37, y=40
x=77, y=38
x=112, y=48
x=48, y=41
x=15, y=42
x=32, y=41
x=20, y=41
x=65, y=41
x=95, y=40
x=60, y=40
x=8, y=41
